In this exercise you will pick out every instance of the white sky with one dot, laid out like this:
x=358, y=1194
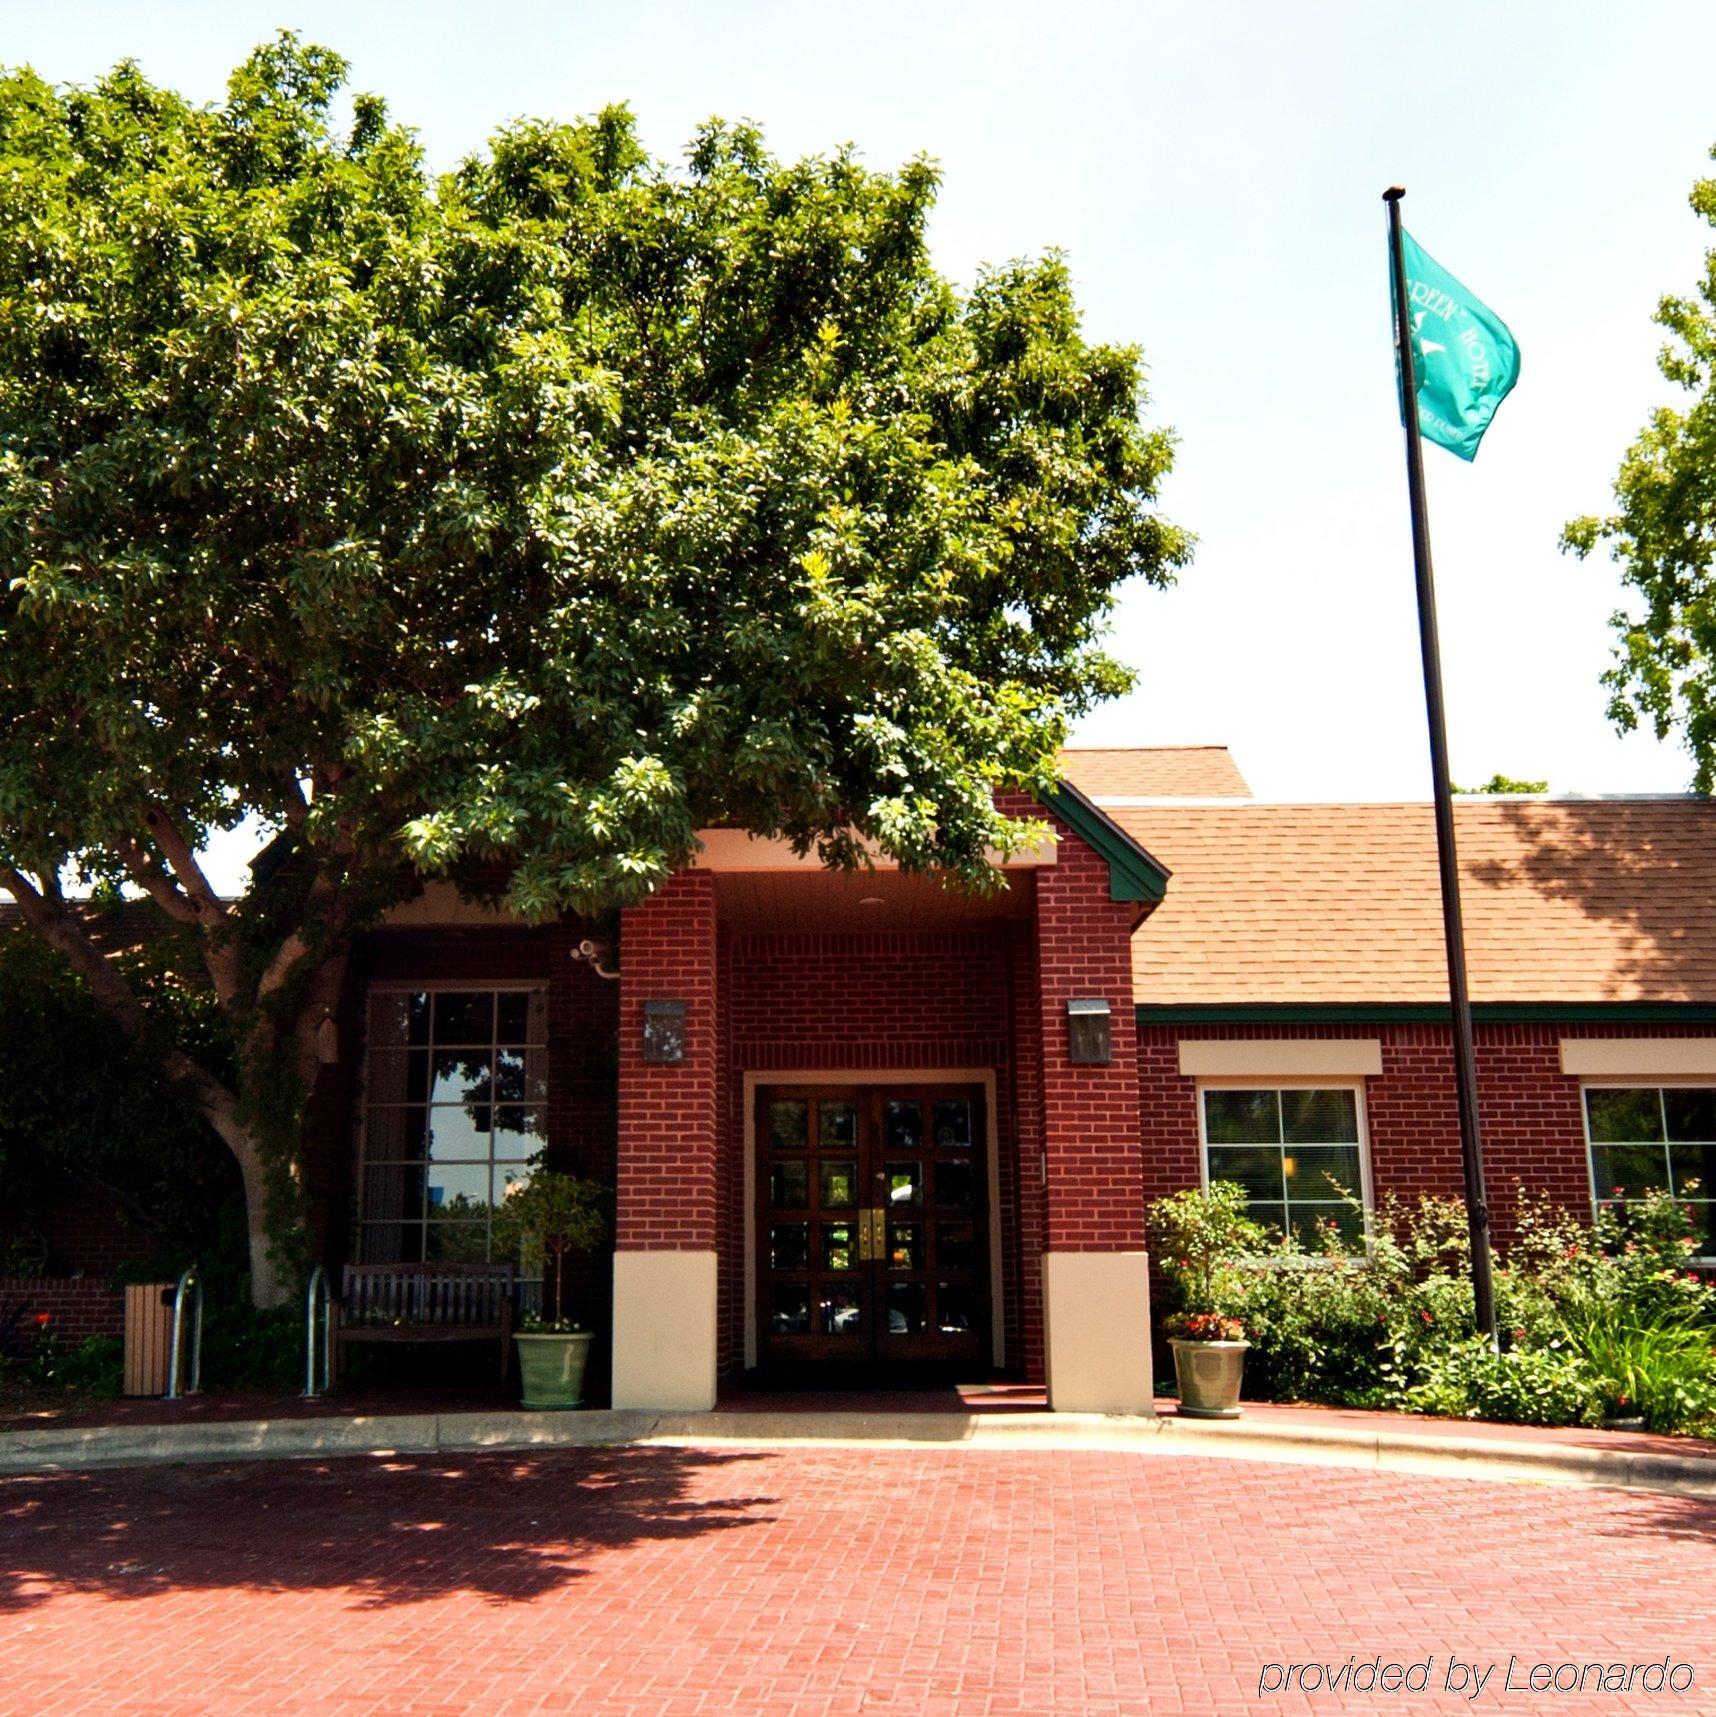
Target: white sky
x=1214, y=174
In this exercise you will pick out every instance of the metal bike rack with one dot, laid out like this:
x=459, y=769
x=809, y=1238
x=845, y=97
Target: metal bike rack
x=318, y=1291
x=190, y=1279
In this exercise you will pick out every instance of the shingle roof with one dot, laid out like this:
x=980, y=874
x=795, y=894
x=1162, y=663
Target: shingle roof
x=128, y=925
x=1155, y=772
x=1564, y=901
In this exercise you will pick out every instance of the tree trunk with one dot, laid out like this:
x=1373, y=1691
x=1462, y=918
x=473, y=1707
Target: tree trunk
x=270, y=1285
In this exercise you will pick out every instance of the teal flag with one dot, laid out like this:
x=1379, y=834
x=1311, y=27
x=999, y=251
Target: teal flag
x=1466, y=359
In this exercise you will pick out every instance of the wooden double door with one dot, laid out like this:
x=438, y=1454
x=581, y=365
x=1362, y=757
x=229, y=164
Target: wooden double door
x=872, y=1232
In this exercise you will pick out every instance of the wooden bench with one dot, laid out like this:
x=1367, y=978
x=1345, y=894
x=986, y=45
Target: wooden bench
x=425, y=1302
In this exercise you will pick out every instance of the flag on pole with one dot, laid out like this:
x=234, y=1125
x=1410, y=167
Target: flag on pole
x=1464, y=355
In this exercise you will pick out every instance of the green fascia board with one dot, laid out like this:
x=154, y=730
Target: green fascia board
x=1424, y=1013
x=1133, y=875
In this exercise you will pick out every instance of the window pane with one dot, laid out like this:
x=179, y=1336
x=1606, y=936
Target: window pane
x=902, y=1127
x=521, y=1076
x=1690, y=1164
x=955, y=1185
x=789, y=1186
x=519, y=1133
x=1635, y=1169
x=398, y=1076
x=904, y=1183
x=455, y=1136
x=1271, y=1213
x=459, y=1076
x=1310, y=1221
x=395, y=1135
x=456, y=1243
x=906, y=1308
x=789, y=1125
x=789, y=1246
x=1257, y=1169
x=458, y=1192
x=1242, y=1118
x=393, y=1192
x=508, y=1178
x=955, y=1308
x=521, y=1016
x=465, y=1016
x=955, y=1246
x=1691, y=1115
x=839, y=1185
x=1623, y=1116
x=905, y=1246
x=839, y=1311
x=789, y=1309
x=1322, y=1171
x=839, y=1246
x=397, y=1018
x=392, y=1243
x=837, y=1125
x=1319, y=1117
x=952, y=1123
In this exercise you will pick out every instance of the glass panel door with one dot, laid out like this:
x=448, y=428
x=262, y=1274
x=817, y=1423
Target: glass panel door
x=872, y=1230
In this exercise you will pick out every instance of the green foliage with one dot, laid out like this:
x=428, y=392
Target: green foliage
x=84, y=1115
x=1663, y=535
x=544, y=512
x=94, y=1367
x=1499, y=783
x=547, y=1217
x=246, y=1347
x=1602, y=1320
x=1202, y=1236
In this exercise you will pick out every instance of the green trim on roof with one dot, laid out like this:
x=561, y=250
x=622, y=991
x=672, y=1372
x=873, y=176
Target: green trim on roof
x=1133, y=875
x=1424, y=1013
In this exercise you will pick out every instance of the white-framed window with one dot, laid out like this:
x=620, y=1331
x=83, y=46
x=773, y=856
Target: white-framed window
x=454, y=1098
x=1655, y=1138
x=1299, y=1150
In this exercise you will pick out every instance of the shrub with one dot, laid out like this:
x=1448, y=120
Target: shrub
x=1204, y=1326
x=1598, y=1319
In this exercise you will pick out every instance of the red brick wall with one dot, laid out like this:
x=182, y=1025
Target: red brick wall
x=1528, y=1109
x=667, y=1153
x=79, y=1308
x=857, y=1003
x=1095, y=1200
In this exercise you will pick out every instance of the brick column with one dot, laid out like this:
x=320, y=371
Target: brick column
x=1096, y=1296
x=665, y=1259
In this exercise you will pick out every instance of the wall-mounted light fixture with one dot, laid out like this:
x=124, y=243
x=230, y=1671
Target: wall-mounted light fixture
x=664, y=1031
x=1089, y=1041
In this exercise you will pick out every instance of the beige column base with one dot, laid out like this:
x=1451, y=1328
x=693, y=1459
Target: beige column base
x=664, y=1330
x=1096, y=1328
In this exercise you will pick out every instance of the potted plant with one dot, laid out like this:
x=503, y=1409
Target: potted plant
x=1200, y=1237
x=549, y=1217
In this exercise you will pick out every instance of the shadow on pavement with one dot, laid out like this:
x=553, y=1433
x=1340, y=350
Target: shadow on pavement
x=395, y=1530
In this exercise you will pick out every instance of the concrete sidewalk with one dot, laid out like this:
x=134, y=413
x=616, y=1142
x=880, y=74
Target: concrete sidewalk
x=1301, y=1436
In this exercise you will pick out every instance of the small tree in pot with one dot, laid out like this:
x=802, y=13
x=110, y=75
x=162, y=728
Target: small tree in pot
x=549, y=1217
x=1200, y=1238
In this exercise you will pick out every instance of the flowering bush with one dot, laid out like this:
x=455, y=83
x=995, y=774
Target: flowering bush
x=1598, y=1320
x=1204, y=1326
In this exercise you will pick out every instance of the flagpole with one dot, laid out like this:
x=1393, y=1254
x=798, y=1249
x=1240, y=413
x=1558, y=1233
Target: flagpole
x=1459, y=998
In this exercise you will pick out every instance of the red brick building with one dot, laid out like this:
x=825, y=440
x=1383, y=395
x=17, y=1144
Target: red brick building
x=865, y=1129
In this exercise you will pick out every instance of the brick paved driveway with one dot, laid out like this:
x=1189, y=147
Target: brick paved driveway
x=811, y=1580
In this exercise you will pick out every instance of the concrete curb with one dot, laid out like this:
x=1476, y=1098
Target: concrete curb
x=76, y=1449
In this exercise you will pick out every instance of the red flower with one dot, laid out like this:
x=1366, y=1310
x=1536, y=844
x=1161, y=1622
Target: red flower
x=43, y=1319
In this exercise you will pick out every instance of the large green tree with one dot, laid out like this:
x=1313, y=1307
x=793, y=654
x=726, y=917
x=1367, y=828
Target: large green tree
x=1663, y=536
x=533, y=516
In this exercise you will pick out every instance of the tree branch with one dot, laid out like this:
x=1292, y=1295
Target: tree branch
x=170, y=838
x=145, y=870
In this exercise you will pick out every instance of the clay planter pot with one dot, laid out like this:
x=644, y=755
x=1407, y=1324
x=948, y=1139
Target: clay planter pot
x=551, y=1368
x=1209, y=1374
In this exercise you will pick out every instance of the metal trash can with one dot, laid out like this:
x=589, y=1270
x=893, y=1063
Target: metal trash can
x=148, y=1337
